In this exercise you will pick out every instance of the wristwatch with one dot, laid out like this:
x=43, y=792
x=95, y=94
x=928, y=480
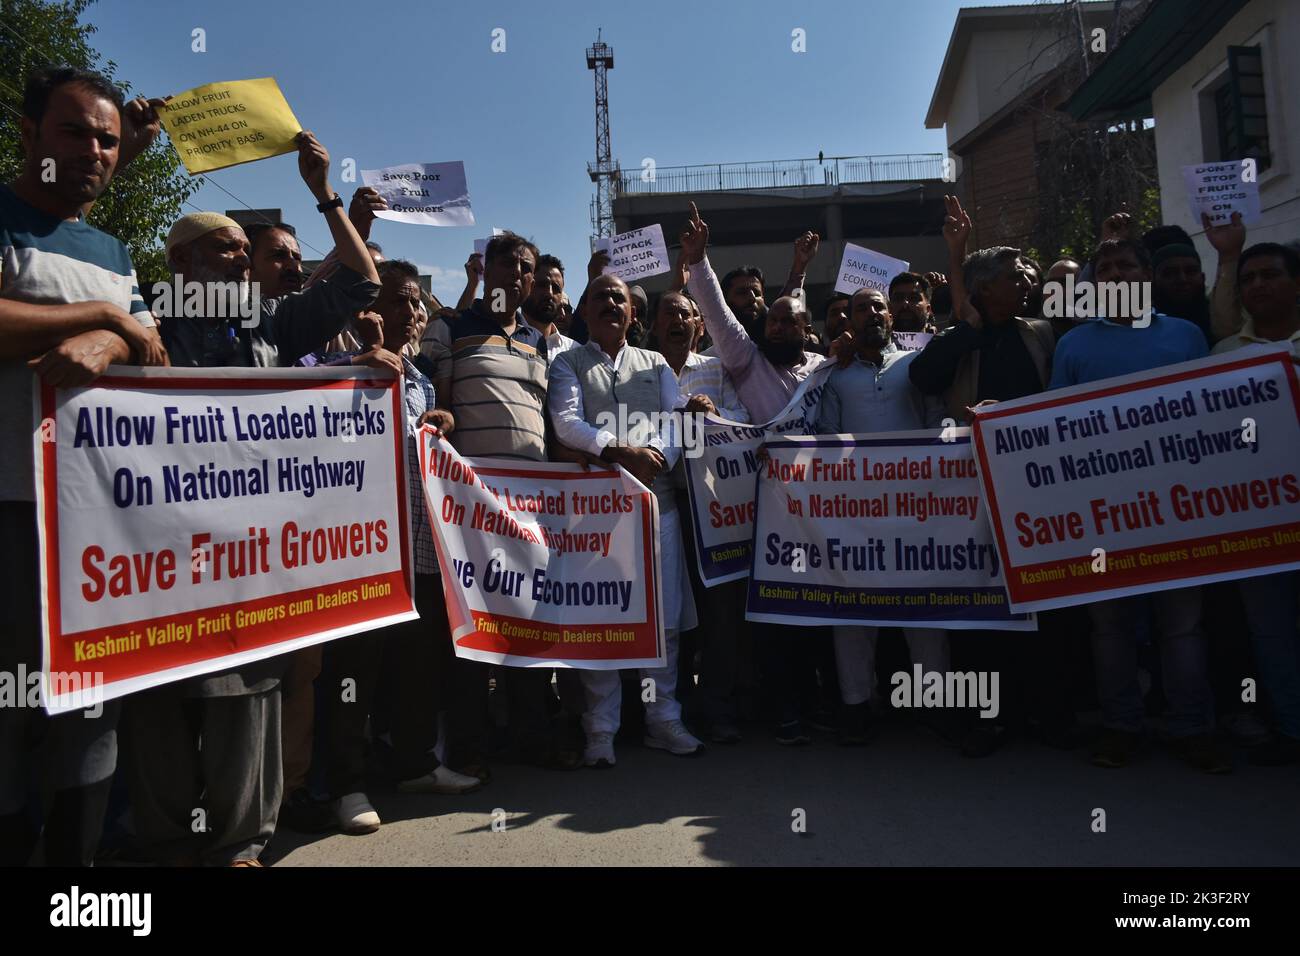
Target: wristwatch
x=327, y=205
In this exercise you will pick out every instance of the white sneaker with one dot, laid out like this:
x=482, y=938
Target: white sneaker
x=442, y=780
x=600, y=750
x=355, y=814
x=672, y=735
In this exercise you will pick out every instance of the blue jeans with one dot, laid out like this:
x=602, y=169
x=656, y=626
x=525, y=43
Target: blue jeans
x=1272, y=604
x=1116, y=625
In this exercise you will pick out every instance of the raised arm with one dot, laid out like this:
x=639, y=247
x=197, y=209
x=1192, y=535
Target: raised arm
x=314, y=166
x=732, y=343
x=1228, y=240
x=805, y=247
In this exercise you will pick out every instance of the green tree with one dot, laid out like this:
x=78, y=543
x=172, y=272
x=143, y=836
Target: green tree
x=142, y=201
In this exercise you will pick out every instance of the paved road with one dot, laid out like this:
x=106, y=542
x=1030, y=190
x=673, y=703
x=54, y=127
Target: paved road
x=908, y=799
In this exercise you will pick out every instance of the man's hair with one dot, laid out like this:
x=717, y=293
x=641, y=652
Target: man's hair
x=749, y=272
x=1290, y=258
x=43, y=82
x=401, y=267
x=256, y=230
x=1114, y=246
x=835, y=297
x=985, y=265
x=549, y=261
x=374, y=246
x=505, y=244
x=909, y=278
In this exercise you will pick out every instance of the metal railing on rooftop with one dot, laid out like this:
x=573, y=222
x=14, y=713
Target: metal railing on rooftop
x=830, y=171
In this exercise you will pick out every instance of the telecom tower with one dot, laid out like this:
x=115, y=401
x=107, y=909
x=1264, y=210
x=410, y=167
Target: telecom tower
x=603, y=171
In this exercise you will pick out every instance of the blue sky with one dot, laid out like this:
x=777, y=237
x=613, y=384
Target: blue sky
x=399, y=81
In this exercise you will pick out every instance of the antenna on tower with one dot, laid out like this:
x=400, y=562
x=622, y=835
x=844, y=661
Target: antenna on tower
x=603, y=172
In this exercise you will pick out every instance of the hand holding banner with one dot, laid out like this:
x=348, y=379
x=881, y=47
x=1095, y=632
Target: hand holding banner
x=225, y=124
x=545, y=565
x=192, y=520
x=430, y=194
x=636, y=254
x=1220, y=189
x=863, y=269
x=1164, y=479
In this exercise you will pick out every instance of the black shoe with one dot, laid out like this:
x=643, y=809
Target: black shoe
x=792, y=734
x=856, y=725
x=1278, y=752
x=306, y=814
x=983, y=739
x=1205, y=752
x=1114, y=748
x=823, y=721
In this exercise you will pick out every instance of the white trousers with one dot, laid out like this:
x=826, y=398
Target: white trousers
x=855, y=657
x=604, y=692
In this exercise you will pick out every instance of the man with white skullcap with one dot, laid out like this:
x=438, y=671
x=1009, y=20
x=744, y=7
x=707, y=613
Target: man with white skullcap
x=238, y=769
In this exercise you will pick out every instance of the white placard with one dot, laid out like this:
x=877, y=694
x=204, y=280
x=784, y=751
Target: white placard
x=431, y=194
x=863, y=269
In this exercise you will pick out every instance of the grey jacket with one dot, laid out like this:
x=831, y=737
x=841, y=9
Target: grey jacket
x=289, y=327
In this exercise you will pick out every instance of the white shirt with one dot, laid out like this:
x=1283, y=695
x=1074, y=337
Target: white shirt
x=1247, y=336
x=705, y=375
x=564, y=400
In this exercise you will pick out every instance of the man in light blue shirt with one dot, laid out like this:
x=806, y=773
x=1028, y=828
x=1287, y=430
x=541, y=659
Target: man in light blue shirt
x=875, y=394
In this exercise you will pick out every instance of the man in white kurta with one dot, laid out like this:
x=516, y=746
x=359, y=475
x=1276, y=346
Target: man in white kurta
x=585, y=382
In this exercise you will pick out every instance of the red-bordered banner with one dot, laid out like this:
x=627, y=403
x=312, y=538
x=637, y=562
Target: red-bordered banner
x=1183, y=475
x=545, y=565
x=194, y=520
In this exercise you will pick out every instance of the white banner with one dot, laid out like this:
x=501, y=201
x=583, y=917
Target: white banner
x=1220, y=189
x=545, y=565
x=195, y=519
x=886, y=529
x=430, y=194
x=721, y=481
x=636, y=254
x=1178, y=476
x=863, y=269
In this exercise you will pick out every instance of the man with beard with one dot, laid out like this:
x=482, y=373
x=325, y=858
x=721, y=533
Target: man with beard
x=214, y=741
x=743, y=287
x=1054, y=286
x=766, y=373
x=207, y=247
x=69, y=307
x=608, y=376
x=874, y=394
x=909, y=303
x=1178, y=285
x=705, y=388
x=544, y=308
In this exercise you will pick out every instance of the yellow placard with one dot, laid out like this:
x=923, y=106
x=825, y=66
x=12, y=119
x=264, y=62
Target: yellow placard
x=225, y=124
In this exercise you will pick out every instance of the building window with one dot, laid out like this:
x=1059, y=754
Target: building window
x=1239, y=108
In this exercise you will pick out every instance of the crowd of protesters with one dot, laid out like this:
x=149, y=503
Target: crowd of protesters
x=521, y=372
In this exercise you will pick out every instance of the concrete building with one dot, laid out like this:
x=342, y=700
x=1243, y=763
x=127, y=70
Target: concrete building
x=1219, y=77
x=890, y=204
x=1006, y=70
